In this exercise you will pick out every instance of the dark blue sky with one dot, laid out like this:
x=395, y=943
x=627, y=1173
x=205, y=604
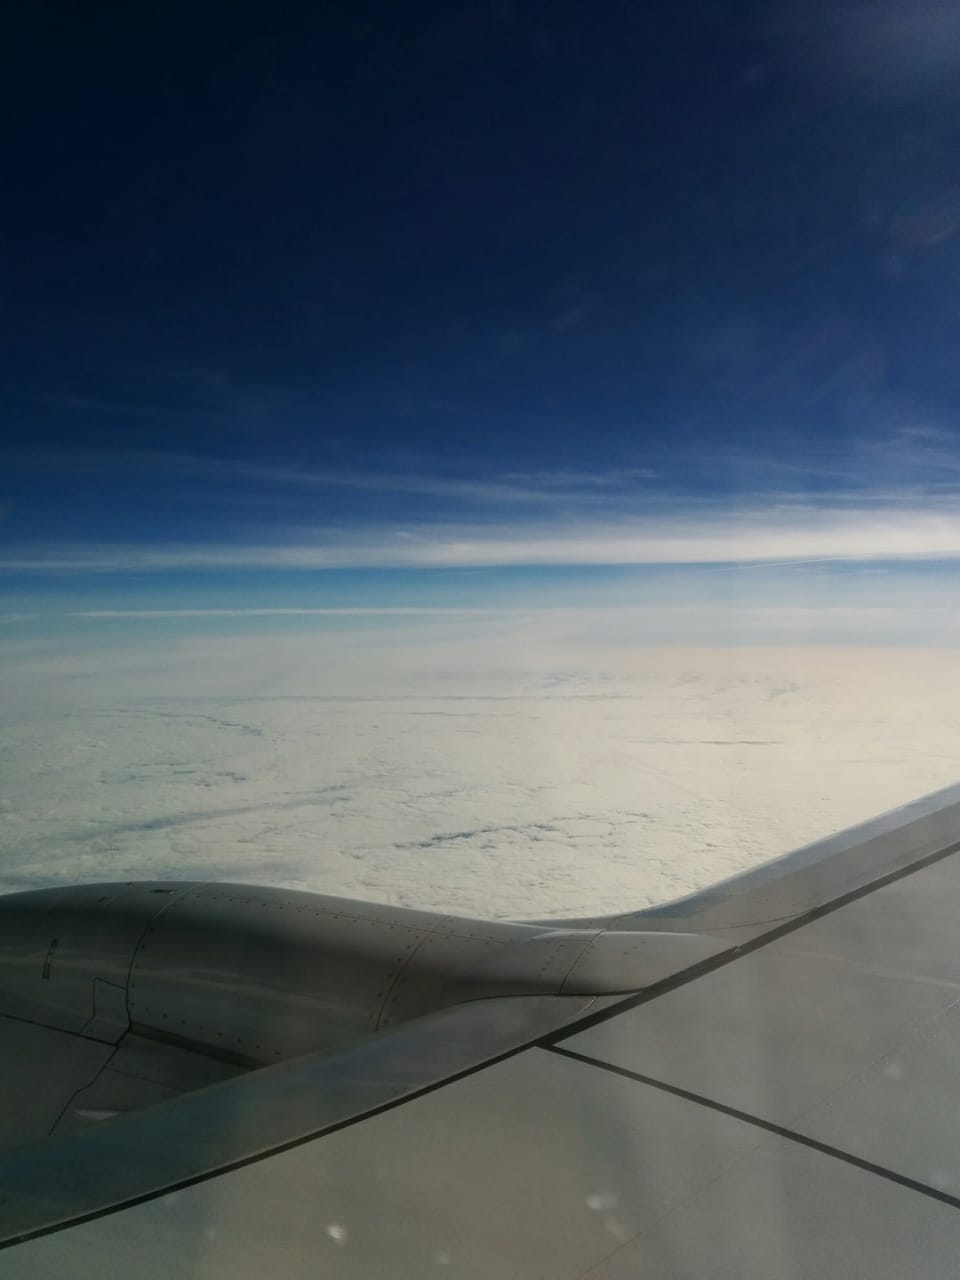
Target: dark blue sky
x=327, y=275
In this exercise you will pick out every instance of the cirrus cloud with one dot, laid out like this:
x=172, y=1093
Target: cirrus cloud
x=776, y=534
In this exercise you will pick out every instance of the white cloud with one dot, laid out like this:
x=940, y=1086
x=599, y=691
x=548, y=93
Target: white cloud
x=778, y=534
x=514, y=772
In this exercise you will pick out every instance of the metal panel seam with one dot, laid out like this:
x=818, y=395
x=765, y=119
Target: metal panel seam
x=391, y=986
x=769, y=1126
x=150, y=924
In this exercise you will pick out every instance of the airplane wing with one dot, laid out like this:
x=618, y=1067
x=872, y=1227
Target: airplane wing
x=758, y=1081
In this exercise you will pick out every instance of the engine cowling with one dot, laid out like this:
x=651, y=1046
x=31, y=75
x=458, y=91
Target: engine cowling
x=255, y=975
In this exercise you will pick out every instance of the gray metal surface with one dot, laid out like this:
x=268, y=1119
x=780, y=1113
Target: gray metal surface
x=536, y=1167
x=260, y=975
x=140, y=1073
x=65, y=954
x=268, y=974
x=40, y=1071
x=140, y=1154
x=184, y=985
x=847, y=1030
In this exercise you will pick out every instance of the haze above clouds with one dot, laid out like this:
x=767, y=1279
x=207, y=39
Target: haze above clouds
x=489, y=767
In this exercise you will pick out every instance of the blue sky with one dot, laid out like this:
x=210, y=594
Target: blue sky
x=478, y=306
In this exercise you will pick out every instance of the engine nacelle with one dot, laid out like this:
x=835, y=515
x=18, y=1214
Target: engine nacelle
x=254, y=975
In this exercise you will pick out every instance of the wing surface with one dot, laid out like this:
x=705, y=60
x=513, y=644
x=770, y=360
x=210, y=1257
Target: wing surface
x=787, y=1106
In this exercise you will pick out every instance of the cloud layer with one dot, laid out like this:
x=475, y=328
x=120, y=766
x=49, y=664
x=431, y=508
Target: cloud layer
x=562, y=779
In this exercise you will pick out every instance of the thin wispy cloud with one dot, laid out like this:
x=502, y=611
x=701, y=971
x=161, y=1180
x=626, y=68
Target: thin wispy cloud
x=918, y=450
x=743, y=536
x=783, y=614
x=373, y=612
x=905, y=464
x=514, y=487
